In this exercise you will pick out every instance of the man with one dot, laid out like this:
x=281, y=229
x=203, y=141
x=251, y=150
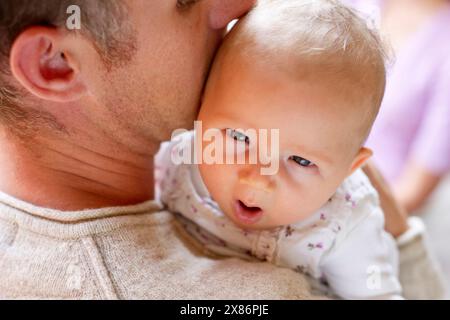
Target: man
x=82, y=114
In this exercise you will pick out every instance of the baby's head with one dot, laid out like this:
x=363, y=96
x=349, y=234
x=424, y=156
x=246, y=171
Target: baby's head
x=312, y=69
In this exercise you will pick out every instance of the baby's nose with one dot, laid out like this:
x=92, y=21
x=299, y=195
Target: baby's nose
x=251, y=176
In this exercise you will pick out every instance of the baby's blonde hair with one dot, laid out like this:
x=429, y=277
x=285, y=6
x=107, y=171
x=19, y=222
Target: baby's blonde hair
x=323, y=38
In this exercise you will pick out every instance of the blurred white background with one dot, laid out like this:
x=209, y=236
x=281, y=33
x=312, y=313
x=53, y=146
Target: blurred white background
x=436, y=214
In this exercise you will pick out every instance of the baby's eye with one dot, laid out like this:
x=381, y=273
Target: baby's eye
x=238, y=136
x=301, y=161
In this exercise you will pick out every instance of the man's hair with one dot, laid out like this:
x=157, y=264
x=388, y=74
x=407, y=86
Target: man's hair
x=103, y=22
x=321, y=38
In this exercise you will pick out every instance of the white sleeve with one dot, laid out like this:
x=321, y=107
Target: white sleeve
x=162, y=165
x=166, y=169
x=364, y=265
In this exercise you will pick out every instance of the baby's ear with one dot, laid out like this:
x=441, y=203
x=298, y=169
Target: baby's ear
x=360, y=159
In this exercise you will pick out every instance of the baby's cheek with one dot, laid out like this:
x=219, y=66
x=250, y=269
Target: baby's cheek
x=219, y=182
x=297, y=206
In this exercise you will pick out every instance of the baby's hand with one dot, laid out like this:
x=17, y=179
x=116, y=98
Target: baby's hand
x=395, y=215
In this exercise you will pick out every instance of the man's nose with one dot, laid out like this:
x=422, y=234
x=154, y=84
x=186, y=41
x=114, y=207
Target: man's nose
x=251, y=176
x=224, y=11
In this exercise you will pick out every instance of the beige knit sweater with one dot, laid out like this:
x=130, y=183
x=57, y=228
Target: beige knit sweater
x=136, y=252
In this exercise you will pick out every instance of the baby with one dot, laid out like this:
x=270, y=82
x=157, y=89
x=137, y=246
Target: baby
x=315, y=72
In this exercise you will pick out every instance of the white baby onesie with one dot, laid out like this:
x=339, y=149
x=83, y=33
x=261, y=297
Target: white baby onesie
x=343, y=244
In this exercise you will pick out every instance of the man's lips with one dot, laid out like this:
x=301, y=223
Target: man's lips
x=245, y=214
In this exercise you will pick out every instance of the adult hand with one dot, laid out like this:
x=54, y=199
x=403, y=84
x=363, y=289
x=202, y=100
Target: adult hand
x=395, y=215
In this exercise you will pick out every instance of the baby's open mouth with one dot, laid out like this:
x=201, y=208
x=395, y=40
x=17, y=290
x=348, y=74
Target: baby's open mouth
x=245, y=214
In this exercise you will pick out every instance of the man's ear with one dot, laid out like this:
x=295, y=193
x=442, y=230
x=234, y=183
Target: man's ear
x=361, y=158
x=40, y=64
